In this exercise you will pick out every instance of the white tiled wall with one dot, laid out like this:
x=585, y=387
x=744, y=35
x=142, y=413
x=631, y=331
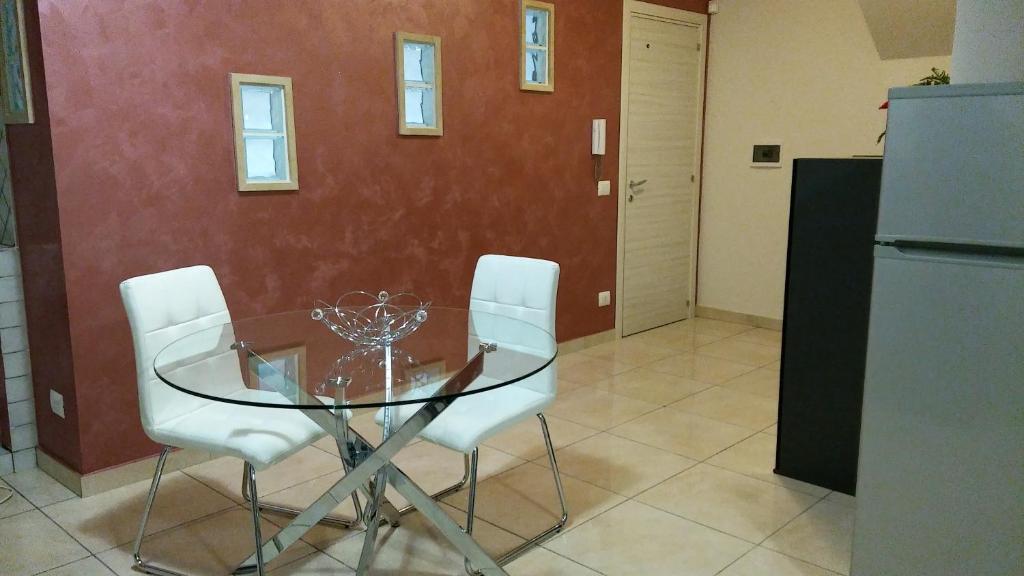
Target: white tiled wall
x=17, y=369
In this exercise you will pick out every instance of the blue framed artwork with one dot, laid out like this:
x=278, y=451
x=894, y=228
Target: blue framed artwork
x=15, y=83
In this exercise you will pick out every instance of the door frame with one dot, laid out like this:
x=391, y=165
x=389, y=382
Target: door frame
x=675, y=16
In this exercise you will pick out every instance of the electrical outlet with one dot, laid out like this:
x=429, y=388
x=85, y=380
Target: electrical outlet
x=57, y=403
x=604, y=298
x=604, y=187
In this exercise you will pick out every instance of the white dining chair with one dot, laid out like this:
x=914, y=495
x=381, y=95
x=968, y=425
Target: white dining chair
x=162, y=308
x=524, y=289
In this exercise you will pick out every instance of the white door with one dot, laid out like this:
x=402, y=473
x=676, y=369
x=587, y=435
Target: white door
x=663, y=115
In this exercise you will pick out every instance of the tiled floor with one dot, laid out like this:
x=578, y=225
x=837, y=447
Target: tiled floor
x=666, y=444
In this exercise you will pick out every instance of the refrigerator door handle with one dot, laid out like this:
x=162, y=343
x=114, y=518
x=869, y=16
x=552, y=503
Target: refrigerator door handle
x=947, y=256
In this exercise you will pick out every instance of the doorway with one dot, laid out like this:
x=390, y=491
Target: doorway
x=659, y=159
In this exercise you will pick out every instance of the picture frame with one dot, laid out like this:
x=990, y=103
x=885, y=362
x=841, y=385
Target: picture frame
x=429, y=117
x=536, y=46
x=15, y=76
x=290, y=361
x=281, y=138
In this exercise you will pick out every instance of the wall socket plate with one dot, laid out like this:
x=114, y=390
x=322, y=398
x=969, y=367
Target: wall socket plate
x=604, y=298
x=604, y=187
x=57, y=403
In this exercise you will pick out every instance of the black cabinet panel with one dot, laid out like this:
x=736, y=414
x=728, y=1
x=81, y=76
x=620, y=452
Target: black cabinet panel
x=833, y=213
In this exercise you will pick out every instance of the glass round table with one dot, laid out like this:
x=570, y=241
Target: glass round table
x=293, y=361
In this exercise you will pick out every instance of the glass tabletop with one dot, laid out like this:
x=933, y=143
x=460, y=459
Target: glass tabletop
x=291, y=360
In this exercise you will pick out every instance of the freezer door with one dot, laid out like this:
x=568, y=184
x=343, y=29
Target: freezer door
x=954, y=168
x=940, y=486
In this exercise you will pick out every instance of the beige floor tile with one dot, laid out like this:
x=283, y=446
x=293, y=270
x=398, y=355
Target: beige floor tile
x=584, y=369
x=739, y=408
x=524, y=500
x=775, y=366
x=569, y=385
x=681, y=433
x=701, y=368
x=617, y=464
x=300, y=497
x=822, y=536
x=598, y=409
x=435, y=468
x=730, y=502
x=213, y=545
x=629, y=351
x=31, y=543
x=741, y=351
x=432, y=467
x=678, y=337
x=659, y=544
x=760, y=382
x=417, y=548
x=315, y=564
x=755, y=457
x=225, y=474
x=543, y=562
x=764, y=562
x=39, y=488
x=761, y=336
x=525, y=440
x=16, y=504
x=773, y=430
x=840, y=498
x=650, y=386
x=112, y=518
x=90, y=566
x=717, y=327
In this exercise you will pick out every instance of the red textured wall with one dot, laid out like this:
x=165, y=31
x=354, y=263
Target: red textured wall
x=42, y=263
x=142, y=144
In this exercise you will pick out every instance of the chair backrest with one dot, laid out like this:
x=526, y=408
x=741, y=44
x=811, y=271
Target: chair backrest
x=521, y=288
x=161, y=308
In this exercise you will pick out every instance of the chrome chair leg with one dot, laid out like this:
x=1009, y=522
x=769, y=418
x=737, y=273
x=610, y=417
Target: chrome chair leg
x=286, y=511
x=138, y=564
x=447, y=491
x=256, y=519
x=538, y=539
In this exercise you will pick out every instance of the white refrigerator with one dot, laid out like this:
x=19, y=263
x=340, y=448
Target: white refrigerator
x=940, y=486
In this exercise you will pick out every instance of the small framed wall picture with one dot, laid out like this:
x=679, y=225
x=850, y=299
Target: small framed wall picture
x=288, y=364
x=15, y=80
x=264, y=126
x=418, y=77
x=537, y=46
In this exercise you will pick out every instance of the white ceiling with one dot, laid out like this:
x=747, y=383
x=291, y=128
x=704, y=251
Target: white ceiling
x=911, y=28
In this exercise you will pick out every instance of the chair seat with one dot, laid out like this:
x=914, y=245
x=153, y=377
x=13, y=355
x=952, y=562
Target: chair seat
x=472, y=419
x=260, y=436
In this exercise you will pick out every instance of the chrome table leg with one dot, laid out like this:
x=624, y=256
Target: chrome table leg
x=336, y=521
x=368, y=461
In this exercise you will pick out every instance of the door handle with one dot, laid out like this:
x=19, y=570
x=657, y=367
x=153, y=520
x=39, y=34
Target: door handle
x=633, y=184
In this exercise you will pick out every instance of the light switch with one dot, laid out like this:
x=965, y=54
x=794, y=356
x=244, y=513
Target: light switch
x=604, y=298
x=604, y=187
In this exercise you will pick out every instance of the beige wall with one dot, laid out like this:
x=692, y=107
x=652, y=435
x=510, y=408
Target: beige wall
x=806, y=73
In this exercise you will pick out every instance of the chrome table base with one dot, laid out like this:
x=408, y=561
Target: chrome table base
x=364, y=463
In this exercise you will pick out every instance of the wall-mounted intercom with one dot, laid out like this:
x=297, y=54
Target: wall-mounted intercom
x=598, y=138
x=597, y=145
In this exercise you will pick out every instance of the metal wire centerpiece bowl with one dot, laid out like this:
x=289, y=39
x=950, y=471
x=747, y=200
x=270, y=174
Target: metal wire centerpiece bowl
x=368, y=320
